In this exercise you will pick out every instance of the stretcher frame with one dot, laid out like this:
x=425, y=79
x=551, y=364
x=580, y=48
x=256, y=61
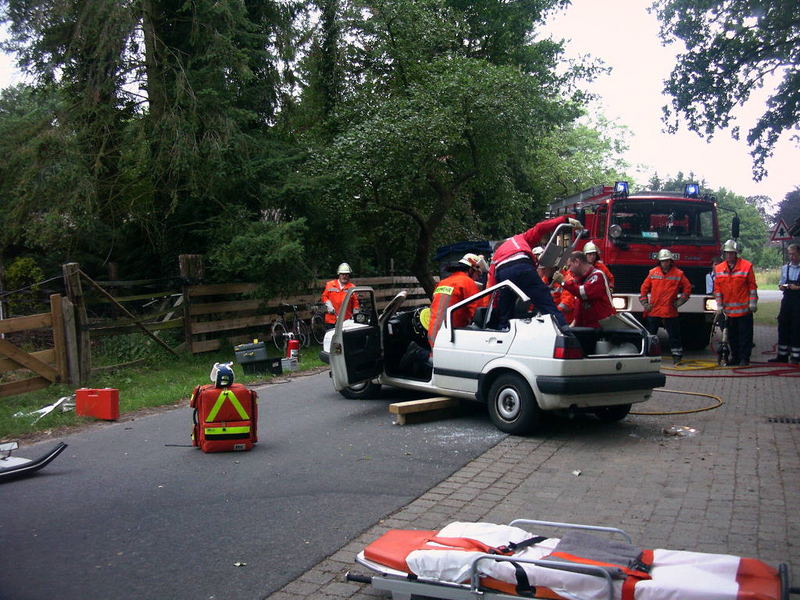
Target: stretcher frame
x=403, y=586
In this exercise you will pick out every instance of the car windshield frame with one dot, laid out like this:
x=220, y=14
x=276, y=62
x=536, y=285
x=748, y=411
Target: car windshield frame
x=663, y=221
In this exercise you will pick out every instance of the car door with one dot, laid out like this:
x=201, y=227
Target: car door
x=356, y=352
x=460, y=355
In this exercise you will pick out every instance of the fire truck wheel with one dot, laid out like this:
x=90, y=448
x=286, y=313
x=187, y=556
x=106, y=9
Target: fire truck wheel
x=610, y=414
x=362, y=391
x=512, y=405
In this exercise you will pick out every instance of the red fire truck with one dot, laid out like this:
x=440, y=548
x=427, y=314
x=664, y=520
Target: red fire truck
x=630, y=229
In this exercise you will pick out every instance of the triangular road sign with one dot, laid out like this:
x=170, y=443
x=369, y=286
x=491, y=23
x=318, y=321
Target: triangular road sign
x=781, y=232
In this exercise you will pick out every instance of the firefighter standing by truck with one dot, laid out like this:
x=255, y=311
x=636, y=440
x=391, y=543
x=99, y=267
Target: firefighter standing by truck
x=789, y=316
x=736, y=293
x=663, y=290
x=334, y=293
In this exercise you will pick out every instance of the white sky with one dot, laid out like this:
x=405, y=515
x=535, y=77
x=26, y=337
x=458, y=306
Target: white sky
x=625, y=36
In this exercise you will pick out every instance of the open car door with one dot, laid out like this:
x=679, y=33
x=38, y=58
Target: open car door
x=356, y=353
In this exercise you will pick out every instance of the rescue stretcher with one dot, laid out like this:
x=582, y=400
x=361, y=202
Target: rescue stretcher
x=472, y=561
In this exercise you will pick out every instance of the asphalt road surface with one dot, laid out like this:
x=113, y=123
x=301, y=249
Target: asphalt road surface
x=124, y=513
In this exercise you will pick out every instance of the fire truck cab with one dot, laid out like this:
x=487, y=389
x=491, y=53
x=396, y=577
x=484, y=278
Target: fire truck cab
x=630, y=229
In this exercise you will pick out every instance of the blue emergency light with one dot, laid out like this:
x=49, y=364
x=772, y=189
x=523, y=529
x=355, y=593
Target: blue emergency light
x=621, y=187
x=691, y=190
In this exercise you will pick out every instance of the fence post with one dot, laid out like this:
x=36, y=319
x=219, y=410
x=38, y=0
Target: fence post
x=70, y=342
x=57, y=318
x=192, y=273
x=72, y=283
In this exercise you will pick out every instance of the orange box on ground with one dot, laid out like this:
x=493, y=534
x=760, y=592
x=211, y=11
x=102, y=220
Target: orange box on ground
x=100, y=404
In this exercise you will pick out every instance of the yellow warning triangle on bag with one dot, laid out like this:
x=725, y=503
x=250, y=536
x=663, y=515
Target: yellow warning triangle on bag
x=227, y=395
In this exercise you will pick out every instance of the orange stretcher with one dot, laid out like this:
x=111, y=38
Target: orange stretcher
x=469, y=561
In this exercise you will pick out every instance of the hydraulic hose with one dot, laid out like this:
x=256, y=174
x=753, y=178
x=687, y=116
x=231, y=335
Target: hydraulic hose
x=719, y=402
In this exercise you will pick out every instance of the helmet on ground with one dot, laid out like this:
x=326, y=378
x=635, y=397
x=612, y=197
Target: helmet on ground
x=475, y=261
x=344, y=268
x=537, y=251
x=222, y=375
x=730, y=246
x=590, y=247
x=665, y=254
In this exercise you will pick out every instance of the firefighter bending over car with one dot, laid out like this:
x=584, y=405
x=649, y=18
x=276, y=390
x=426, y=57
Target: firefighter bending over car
x=514, y=260
x=592, y=293
x=663, y=290
x=334, y=293
x=737, y=298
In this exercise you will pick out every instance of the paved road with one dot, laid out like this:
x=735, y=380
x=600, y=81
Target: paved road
x=121, y=514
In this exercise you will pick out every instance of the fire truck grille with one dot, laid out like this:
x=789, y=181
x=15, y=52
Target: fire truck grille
x=628, y=279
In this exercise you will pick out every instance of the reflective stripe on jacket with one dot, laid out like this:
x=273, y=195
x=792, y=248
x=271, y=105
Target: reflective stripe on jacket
x=664, y=290
x=335, y=292
x=594, y=298
x=735, y=288
x=448, y=292
x=609, y=276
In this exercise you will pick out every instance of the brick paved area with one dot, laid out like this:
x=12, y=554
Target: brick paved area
x=731, y=487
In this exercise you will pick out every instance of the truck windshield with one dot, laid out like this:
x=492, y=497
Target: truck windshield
x=648, y=221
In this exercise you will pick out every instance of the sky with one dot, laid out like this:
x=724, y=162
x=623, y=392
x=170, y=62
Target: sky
x=625, y=36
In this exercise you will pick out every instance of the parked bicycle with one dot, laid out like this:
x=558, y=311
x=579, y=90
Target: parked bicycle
x=317, y=321
x=297, y=327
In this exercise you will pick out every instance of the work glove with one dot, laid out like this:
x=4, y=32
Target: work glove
x=576, y=225
x=647, y=306
x=680, y=302
x=329, y=306
x=558, y=277
x=753, y=305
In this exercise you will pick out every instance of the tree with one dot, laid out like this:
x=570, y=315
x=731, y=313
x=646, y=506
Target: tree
x=789, y=211
x=731, y=46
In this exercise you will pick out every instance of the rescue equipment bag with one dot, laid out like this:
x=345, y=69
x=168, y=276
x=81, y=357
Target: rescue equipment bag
x=225, y=418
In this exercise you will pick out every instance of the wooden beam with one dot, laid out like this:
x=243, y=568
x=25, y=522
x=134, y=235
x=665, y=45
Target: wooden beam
x=59, y=347
x=22, y=323
x=228, y=324
x=72, y=283
x=71, y=342
x=26, y=360
x=23, y=386
x=402, y=409
x=46, y=356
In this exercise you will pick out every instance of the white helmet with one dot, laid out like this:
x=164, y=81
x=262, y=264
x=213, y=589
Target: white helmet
x=537, y=251
x=590, y=247
x=665, y=254
x=476, y=261
x=344, y=268
x=730, y=246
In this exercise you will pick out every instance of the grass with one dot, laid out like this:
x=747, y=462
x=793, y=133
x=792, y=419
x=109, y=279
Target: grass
x=768, y=279
x=159, y=380
x=767, y=314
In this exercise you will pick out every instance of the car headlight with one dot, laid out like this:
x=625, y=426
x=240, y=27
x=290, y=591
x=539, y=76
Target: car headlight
x=711, y=304
x=619, y=302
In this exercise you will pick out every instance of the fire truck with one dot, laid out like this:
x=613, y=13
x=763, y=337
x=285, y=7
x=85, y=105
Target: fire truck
x=630, y=229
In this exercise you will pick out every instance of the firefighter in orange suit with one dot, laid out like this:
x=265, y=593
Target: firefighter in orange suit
x=663, y=290
x=592, y=253
x=455, y=288
x=334, y=293
x=591, y=291
x=737, y=297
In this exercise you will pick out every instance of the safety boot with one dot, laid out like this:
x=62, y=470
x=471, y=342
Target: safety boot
x=676, y=359
x=781, y=358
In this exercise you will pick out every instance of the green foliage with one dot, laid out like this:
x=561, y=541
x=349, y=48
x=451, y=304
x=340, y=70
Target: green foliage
x=23, y=273
x=731, y=46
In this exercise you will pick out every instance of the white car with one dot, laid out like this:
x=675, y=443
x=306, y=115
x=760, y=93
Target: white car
x=519, y=371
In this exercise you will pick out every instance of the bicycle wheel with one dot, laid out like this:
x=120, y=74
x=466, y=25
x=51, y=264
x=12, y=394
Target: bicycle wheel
x=303, y=333
x=318, y=328
x=279, y=337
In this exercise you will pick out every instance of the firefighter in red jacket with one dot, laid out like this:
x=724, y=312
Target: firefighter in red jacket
x=514, y=260
x=592, y=253
x=455, y=288
x=663, y=290
x=737, y=297
x=591, y=291
x=334, y=293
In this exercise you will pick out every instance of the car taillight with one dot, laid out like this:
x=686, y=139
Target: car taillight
x=653, y=346
x=567, y=347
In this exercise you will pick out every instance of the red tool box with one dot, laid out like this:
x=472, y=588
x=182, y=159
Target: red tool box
x=100, y=404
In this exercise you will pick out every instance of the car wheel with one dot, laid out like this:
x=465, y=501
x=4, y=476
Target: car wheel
x=361, y=391
x=512, y=405
x=610, y=414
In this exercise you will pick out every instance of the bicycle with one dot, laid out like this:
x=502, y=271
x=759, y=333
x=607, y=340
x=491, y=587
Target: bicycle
x=317, y=321
x=298, y=328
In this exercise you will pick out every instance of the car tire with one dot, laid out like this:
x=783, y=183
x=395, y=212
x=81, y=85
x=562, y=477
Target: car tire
x=362, y=391
x=611, y=414
x=512, y=405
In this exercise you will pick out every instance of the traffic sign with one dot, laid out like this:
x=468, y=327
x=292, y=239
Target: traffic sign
x=781, y=232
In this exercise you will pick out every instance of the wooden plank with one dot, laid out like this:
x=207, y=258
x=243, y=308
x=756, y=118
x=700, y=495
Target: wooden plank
x=59, y=348
x=209, y=308
x=135, y=328
x=228, y=324
x=163, y=294
x=27, y=361
x=205, y=346
x=23, y=386
x=46, y=356
x=403, y=409
x=70, y=342
x=29, y=322
x=216, y=289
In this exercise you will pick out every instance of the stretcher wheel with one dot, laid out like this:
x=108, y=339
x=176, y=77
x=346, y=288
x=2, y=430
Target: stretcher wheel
x=512, y=405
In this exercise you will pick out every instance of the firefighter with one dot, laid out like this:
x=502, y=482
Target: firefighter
x=552, y=278
x=592, y=253
x=737, y=298
x=663, y=290
x=334, y=293
x=514, y=260
x=455, y=288
x=591, y=291
x=789, y=316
